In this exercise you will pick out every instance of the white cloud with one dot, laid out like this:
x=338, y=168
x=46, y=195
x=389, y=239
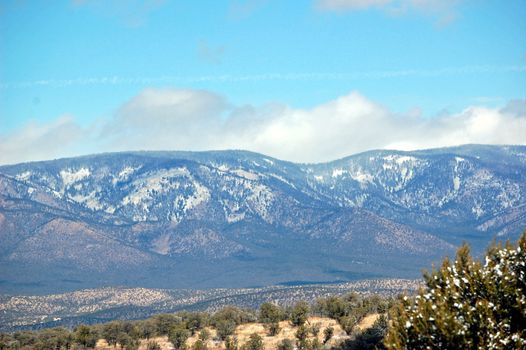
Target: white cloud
x=175, y=119
x=36, y=141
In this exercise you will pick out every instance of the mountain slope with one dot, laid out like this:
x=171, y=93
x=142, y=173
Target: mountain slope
x=237, y=219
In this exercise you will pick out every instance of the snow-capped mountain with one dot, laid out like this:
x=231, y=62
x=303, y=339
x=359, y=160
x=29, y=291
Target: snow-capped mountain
x=236, y=218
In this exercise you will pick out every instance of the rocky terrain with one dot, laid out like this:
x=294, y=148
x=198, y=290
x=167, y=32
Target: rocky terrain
x=240, y=219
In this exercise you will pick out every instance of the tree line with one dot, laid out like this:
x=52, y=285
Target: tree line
x=348, y=310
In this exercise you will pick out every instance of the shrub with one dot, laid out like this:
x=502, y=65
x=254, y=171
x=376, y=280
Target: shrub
x=231, y=343
x=254, y=343
x=269, y=313
x=370, y=339
x=199, y=345
x=225, y=328
x=299, y=313
x=327, y=334
x=204, y=335
x=286, y=344
x=152, y=345
x=85, y=336
x=178, y=336
x=301, y=337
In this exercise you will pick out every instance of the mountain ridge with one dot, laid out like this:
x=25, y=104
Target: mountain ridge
x=199, y=218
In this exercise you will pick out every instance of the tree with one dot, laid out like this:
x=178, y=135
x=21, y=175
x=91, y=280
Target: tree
x=301, y=337
x=85, y=336
x=332, y=307
x=255, y=342
x=299, y=313
x=133, y=344
x=199, y=345
x=286, y=344
x=54, y=338
x=204, y=335
x=25, y=338
x=270, y=315
x=178, y=336
x=466, y=304
x=165, y=322
x=235, y=314
x=147, y=329
x=110, y=332
x=348, y=323
x=225, y=328
x=196, y=321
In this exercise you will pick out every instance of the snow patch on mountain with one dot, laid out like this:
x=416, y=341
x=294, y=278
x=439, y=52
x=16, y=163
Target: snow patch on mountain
x=246, y=174
x=201, y=195
x=70, y=176
x=156, y=183
x=90, y=201
x=337, y=172
x=23, y=176
x=362, y=177
x=124, y=174
x=260, y=201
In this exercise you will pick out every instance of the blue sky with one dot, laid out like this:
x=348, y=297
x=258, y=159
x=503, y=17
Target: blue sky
x=77, y=68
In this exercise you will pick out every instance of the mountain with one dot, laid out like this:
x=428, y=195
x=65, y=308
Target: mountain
x=241, y=219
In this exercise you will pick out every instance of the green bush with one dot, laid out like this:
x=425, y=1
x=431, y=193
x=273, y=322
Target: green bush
x=255, y=342
x=152, y=345
x=178, y=336
x=467, y=304
x=299, y=313
x=231, y=343
x=327, y=334
x=286, y=344
x=225, y=328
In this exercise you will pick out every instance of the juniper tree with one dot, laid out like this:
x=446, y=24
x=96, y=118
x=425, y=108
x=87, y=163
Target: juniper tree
x=467, y=304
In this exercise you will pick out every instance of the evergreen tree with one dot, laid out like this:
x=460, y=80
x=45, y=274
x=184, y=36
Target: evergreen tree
x=255, y=342
x=286, y=344
x=467, y=304
x=178, y=336
x=299, y=313
x=85, y=336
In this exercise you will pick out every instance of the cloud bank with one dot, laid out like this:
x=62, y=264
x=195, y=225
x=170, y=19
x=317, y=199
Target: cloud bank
x=177, y=119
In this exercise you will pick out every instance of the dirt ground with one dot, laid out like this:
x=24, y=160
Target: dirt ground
x=243, y=332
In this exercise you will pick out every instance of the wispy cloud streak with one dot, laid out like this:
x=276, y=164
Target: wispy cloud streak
x=229, y=78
